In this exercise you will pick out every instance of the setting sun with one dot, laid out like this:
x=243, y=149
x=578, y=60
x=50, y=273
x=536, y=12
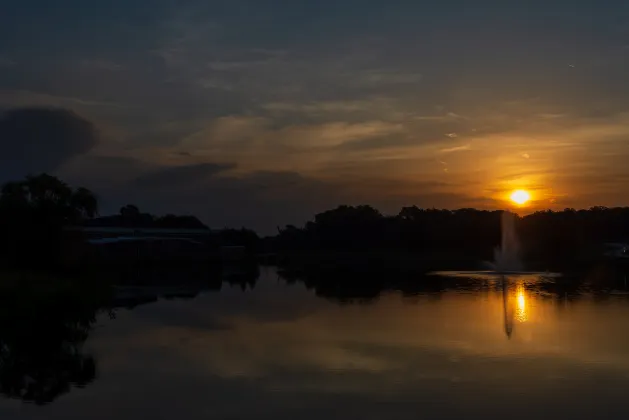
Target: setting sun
x=520, y=197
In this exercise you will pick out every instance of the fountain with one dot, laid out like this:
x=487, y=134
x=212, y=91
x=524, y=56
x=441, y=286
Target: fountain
x=507, y=268
x=507, y=261
x=507, y=256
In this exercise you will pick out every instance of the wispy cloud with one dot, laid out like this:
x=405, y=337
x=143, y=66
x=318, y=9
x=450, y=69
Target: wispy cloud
x=456, y=148
x=236, y=131
x=323, y=107
x=29, y=98
x=6, y=61
x=101, y=64
x=182, y=176
x=387, y=77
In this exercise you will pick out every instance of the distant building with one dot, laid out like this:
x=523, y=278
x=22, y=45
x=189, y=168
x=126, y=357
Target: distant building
x=94, y=232
x=119, y=242
x=122, y=243
x=145, y=248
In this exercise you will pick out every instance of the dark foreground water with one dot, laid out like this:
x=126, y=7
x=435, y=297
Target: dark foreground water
x=280, y=352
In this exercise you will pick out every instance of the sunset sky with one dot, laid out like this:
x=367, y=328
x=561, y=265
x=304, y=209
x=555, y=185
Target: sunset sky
x=263, y=112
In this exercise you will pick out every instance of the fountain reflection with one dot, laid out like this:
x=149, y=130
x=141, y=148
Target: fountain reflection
x=508, y=314
x=515, y=303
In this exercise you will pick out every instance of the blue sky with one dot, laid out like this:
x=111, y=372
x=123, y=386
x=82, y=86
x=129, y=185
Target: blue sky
x=265, y=112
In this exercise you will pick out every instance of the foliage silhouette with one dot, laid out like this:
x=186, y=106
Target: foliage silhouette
x=365, y=228
x=43, y=324
x=131, y=216
x=352, y=284
x=239, y=237
x=550, y=239
x=33, y=213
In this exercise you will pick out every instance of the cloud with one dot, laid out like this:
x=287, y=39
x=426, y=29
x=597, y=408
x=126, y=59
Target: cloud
x=232, y=87
x=258, y=200
x=287, y=171
x=42, y=139
x=103, y=173
x=387, y=77
x=181, y=176
x=244, y=135
x=6, y=62
x=25, y=98
x=100, y=64
x=358, y=108
x=375, y=106
x=525, y=174
x=261, y=200
x=337, y=133
x=456, y=148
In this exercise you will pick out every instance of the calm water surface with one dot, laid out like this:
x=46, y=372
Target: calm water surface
x=280, y=352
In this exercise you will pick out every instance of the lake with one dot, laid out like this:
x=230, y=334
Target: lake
x=466, y=349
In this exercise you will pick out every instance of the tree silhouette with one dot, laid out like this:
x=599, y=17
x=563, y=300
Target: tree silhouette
x=47, y=195
x=130, y=216
x=549, y=239
x=130, y=212
x=33, y=213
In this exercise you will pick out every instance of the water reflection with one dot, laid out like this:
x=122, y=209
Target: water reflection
x=521, y=314
x=44, y=322
x=280, y=352
x=41, y=339
x=515, y=303
x=259, y=345
x=508, y=314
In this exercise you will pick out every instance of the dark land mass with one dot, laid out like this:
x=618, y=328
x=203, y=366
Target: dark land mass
x=43, y=223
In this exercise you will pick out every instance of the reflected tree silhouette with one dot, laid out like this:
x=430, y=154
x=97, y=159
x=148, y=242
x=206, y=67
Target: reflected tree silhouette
x=44, y=324
x=359, y=285
x=244, y=275
x=41, y=337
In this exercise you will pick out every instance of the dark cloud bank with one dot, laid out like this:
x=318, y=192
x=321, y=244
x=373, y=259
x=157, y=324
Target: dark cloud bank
x=41, y=140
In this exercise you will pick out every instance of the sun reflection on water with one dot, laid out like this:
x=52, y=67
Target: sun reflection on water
x=521, y=307
x=516, y=305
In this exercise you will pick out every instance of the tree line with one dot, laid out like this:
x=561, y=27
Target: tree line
x=543, y=234
x=35, y=211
